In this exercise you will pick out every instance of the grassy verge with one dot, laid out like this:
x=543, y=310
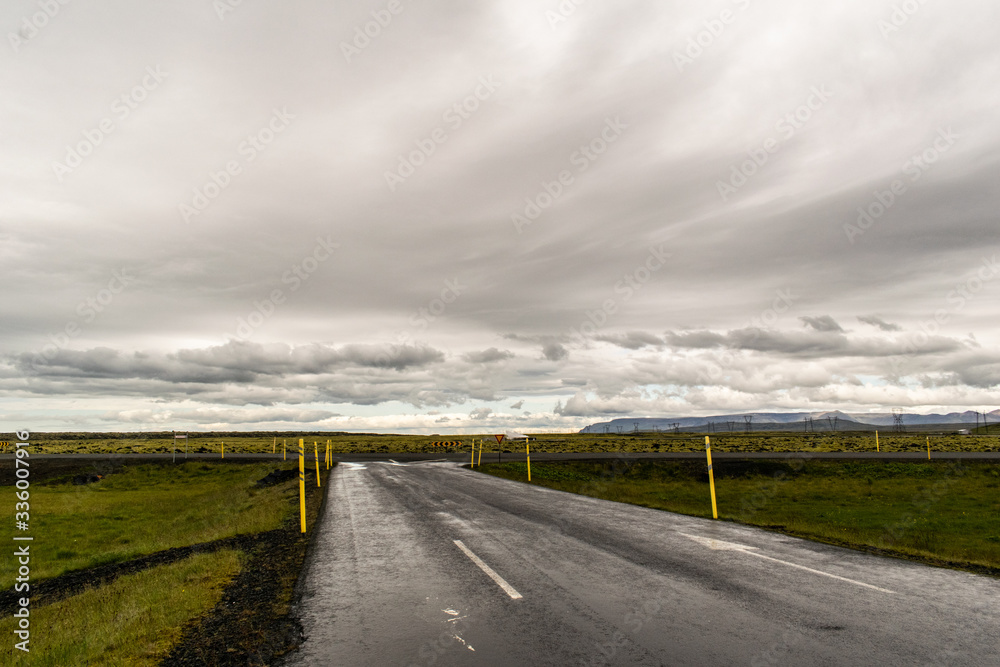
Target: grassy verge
x=133, y=621
x=938, y=512
x=143, y=509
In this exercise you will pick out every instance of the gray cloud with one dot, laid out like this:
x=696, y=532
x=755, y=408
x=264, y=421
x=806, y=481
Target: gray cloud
x=632, y=340
x=480, y=413
x=236, y=361
x=823, y=323
x=811, y=344
x=879, y=322
x=488, y=356
x=554, y=351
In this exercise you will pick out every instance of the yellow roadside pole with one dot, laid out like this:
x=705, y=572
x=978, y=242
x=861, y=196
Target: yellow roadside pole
x=711, y=476
x=327, y=459
x=480, y=460
x=473, y=463
x=302, y=484
x=274, y=446
x=876, y=441
x=223, y=450
x=284, y=453
x=316, y=452
x=928, y=448
x=527, y=453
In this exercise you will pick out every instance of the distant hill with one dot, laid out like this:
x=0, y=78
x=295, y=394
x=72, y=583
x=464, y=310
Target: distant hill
x=788, y=421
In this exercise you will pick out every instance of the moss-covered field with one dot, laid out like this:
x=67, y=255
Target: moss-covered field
x=346, y=443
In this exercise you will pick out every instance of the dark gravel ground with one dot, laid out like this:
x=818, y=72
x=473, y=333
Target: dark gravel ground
x=72, y=583
x=252, y=623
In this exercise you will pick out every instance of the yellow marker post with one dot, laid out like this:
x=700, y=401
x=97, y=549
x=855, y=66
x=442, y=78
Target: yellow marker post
x=480, y=461
x=327, y=459
x=527, y=453
x=876, y=442
x=274, y=446
x=316, y=452
x=711, y=476
x=223, y=450
x=284, y=453
x=473, y=464
x=928, y=448
x=302, y=484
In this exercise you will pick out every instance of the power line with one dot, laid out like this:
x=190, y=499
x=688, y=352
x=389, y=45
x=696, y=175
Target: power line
x=897, y=420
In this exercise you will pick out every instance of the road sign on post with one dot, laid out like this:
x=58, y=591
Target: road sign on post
x=185, y=439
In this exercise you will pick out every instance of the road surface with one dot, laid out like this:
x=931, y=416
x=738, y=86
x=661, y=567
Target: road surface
x=426, y=563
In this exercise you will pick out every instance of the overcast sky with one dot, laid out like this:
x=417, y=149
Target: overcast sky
x=448, y=217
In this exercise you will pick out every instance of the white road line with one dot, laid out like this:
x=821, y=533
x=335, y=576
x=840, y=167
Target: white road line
x=508, y=589
x=719, y=545
x=825, y=574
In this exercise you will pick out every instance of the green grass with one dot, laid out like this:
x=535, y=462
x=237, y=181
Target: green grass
x=141, y=510
x=134, y=443
x=133, y=621
x=940, y=512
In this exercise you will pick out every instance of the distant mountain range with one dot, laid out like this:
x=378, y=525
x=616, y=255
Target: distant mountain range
x=790, y=421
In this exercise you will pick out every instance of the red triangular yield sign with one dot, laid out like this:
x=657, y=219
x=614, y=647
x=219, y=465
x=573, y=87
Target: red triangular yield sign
x=499, y=438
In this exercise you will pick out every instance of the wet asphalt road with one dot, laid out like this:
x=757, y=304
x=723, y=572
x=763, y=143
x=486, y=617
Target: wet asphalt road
x=393, y=579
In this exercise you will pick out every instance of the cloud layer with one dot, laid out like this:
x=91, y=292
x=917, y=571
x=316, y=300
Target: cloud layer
x=495, y=214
